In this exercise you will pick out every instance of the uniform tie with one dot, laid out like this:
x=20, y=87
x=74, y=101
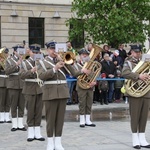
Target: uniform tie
x=54, y=60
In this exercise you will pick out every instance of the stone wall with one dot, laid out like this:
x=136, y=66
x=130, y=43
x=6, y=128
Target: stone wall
x=15, y=29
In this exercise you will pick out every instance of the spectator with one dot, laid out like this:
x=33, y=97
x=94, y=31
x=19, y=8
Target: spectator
x=118, y=86
x=122, y=52
x=117, y=59
x=103, y=89
x=70, y=48
x=109, y=69
x=106, y=49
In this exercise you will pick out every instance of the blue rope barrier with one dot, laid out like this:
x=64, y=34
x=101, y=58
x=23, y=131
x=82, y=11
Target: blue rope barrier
x=98, y=79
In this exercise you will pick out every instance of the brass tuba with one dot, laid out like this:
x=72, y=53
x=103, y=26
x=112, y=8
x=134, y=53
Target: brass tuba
x=3, y=57
x=139, y=88
x=95, y=67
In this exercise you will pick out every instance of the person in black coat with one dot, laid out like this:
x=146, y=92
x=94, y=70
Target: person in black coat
x=109, y=69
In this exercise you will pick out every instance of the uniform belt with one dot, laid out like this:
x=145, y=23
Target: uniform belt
x=3, y=76
x=30, y=80
x=56, y=82
x=15, y=74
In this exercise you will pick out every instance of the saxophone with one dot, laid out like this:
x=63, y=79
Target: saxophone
x=139, y=88
x=95, y=67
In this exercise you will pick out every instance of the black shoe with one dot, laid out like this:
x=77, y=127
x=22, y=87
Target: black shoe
x=8, y=121
x=14, y=129
x=40, y=139
x=91, y=125
x=106, y=103
x=82, y=125
x=69, y=103
x=147, y=146
x=22, y=129
x=30, y=139
x=137, y=147
x=1, y=121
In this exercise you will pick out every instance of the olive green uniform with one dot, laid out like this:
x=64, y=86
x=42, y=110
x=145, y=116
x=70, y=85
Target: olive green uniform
x=55, y=95
x=4, y=99
x=14, y=86
x=85, y=97
x=32, y=93
x=139, y=107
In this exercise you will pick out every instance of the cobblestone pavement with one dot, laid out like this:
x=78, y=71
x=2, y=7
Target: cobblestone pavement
x=108, y=134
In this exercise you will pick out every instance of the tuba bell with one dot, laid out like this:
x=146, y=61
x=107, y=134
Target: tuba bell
x=95, y=67
x=139, y=88
x=3, y=57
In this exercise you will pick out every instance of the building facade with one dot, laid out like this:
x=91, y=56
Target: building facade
x=36, y=21
x=33, y=21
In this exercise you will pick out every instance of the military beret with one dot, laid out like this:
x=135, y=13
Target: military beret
x=17, y=46
x=35, y=47
x=83, y=51
x=50, y=44
x=6, y=50
x=136, y=48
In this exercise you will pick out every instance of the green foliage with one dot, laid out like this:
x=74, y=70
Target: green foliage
x=111, y=21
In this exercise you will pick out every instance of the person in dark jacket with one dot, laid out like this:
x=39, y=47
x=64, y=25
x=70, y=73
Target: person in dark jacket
x=103, y=89
x=118, y=86
x=109, y=69
x=122, y=52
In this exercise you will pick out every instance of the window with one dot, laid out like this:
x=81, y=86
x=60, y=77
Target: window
x=78, y=41
x=36, y=31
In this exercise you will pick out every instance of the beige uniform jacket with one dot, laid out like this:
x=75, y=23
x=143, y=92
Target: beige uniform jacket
x=54, y=91
x=14, y=81
x=128, y=74
x=31, y=88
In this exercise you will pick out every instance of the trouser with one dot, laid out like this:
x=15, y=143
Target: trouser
x=34, y=107
x=96, y=95
x=16, y=102
x=103, y=96
x=117, y=93
x=4, y=100
x=55, y=112
x=85, y=101
x=70, y=86
x=139, y=108
x=110, y=91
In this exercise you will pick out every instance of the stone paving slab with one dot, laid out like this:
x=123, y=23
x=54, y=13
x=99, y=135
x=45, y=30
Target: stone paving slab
x=107, y=135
